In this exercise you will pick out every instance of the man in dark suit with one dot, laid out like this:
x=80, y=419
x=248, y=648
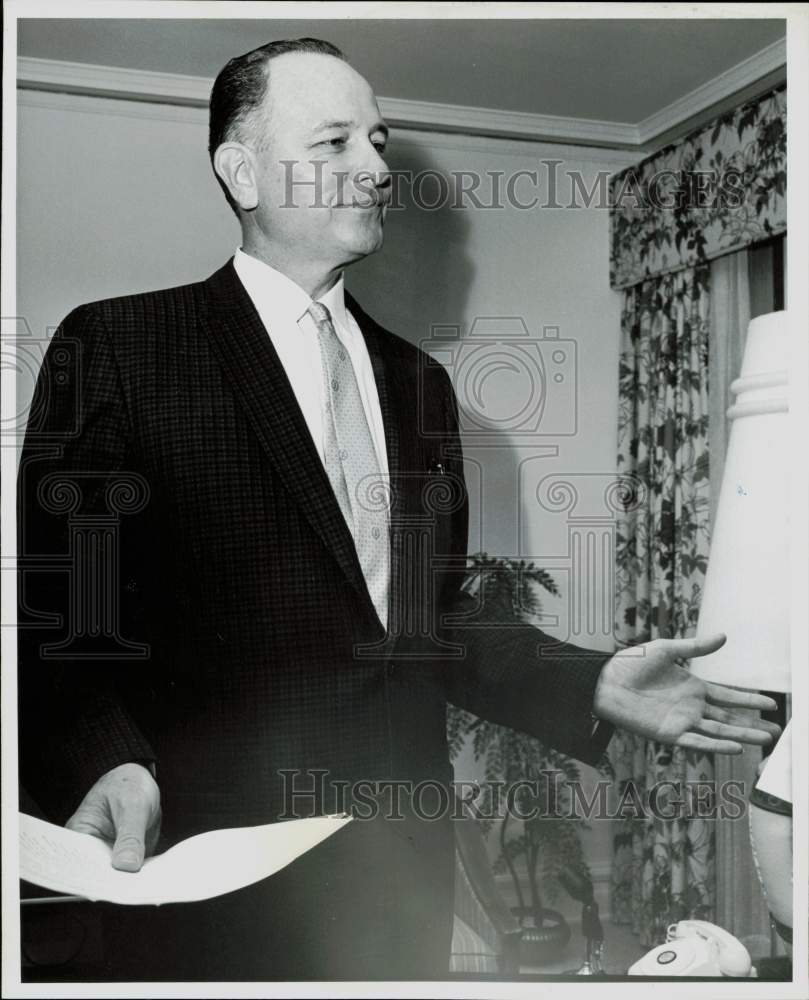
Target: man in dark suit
x=279, y=485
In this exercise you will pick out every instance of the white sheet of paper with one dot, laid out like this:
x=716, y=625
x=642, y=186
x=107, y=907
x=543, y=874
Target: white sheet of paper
x=201, y=867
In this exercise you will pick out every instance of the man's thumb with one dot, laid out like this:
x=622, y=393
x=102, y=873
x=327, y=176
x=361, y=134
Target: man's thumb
x=129, y=848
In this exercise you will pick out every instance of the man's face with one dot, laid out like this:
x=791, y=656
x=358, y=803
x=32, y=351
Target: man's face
x=321, y=180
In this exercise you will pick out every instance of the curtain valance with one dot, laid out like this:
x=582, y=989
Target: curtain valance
x=720, y=188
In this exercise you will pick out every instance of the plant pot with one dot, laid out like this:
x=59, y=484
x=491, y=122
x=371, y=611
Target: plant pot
x=546, y=943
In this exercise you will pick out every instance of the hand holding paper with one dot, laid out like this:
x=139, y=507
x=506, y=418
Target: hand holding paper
x=123, y=809
x=201, y=867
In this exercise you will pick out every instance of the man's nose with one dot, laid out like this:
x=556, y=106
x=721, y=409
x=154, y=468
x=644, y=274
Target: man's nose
x=374, y=185
x=374, y=166
x=379, y=181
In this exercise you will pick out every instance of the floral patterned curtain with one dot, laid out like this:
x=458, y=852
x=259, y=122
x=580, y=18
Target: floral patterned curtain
x=719, y=189
x=662, y=868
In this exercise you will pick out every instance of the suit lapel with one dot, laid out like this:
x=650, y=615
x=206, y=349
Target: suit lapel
x=261, y=385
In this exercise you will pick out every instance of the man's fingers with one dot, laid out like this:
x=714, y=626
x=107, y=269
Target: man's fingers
x=82, y=822
x=695, y=741
x=92, y=818
x=687, y=649
x=747, y=720
x=718, y=694
x=79, y=825
x=741, y=734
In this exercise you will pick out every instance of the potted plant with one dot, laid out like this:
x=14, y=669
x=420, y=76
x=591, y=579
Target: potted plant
x=545, y=848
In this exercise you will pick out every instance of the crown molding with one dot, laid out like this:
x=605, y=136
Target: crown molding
x=501, y=145
x=425, y=116
x=428, y=116
x=432, y=116
x=603, y=157
x=112, y=81
x=737, y=78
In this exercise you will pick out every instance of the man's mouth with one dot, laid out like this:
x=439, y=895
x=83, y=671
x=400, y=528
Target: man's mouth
x=365, y=203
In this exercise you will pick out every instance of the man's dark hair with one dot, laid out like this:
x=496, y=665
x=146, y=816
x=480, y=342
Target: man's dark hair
x=240, y=88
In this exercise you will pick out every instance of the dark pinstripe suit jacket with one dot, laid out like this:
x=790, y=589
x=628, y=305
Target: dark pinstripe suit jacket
x=166, y=420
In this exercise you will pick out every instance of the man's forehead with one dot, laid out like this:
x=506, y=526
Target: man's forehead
x=318, y=88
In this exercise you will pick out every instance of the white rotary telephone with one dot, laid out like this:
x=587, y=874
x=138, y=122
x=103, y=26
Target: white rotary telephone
x=696, y=948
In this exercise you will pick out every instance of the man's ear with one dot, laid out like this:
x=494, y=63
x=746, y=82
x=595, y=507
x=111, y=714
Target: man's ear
x=233, y=164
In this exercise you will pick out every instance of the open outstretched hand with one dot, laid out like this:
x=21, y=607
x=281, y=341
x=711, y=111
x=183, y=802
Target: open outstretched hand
x=648, y=691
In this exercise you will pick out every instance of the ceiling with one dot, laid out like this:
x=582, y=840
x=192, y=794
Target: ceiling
x=609, y=70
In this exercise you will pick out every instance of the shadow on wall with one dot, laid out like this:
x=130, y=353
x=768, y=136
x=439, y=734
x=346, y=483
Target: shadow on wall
x=423, y=278
x=423, y=274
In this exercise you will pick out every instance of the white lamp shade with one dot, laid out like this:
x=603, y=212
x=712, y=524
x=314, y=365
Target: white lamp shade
x=747, y=583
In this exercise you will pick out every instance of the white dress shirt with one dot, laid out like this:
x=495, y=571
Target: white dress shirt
x=282, y=306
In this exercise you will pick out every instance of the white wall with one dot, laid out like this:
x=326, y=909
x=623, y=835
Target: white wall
x=112, y=197
x=117, y=197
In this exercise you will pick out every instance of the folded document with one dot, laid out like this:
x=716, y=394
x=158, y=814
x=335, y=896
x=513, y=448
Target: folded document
x=201, y=867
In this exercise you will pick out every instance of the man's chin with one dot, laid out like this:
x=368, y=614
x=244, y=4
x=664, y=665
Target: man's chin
x=367, y=241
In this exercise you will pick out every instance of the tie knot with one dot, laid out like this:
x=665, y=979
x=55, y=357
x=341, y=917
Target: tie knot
x=321, y=315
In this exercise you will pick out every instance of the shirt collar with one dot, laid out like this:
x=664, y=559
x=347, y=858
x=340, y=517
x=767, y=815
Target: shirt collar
x=267, y=285
x=334, y=301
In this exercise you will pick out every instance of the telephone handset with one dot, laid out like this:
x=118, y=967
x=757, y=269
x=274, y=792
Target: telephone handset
x=696, y=948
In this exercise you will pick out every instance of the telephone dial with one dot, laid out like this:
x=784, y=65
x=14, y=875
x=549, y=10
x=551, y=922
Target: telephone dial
x=696, y=948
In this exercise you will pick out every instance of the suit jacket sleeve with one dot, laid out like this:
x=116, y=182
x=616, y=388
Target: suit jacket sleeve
x=515, y=674
x=73, y=726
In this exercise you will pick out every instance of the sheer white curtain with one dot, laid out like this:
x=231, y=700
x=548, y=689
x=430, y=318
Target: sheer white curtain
x=740, y=906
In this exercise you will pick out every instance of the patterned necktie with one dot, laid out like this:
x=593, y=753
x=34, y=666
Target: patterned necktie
x=351, y=462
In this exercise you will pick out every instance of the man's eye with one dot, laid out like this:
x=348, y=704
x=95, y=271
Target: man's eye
x=335, y=142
